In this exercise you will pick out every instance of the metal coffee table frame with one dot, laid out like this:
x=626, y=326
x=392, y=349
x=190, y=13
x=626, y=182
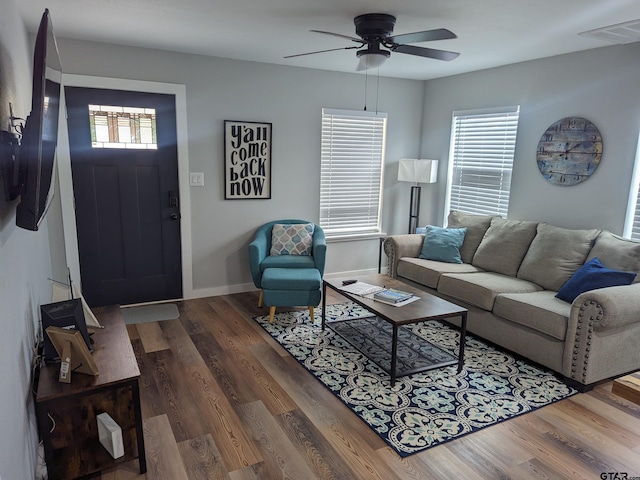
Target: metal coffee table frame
x=427, y=307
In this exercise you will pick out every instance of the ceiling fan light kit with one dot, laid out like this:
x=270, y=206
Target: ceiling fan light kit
x=376, y=29
x=371, y=58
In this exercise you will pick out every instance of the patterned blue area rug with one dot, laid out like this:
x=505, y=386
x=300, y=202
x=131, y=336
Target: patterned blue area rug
x=424, y=409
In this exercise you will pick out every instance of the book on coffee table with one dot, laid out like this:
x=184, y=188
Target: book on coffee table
x=392, y=296
x=361, y=288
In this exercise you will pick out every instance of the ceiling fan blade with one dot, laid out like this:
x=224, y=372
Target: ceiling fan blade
x=353, y=39
x=322, y=51
x=426, y=36
x=426, y=52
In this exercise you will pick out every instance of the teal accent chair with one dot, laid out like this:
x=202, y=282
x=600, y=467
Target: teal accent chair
x=287, y=280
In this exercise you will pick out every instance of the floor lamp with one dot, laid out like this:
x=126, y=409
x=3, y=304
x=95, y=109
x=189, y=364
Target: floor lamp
x=416, y=172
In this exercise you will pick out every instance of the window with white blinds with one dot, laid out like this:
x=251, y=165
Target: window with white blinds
x=353, y=145
x=481, y=160
x=634, y=228
x=632, y=220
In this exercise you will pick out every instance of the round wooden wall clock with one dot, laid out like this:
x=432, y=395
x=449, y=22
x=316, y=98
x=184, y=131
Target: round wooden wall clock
x=569, y=151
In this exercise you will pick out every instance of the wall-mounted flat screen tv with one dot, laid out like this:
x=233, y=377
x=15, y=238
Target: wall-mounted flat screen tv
x=36, y=157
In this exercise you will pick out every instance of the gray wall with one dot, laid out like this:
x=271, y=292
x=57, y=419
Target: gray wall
x=291, y=99
x=602, y=85
x=24, y=268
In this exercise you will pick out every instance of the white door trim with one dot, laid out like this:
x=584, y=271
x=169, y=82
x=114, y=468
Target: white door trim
x=66, y=183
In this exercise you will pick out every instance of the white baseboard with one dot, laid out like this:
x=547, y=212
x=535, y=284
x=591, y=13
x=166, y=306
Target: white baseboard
x=225, y=290
x=250, y=287
x=352, y=273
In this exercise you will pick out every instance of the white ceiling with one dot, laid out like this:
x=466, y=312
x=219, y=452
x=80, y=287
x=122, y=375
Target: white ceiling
x=490, y=32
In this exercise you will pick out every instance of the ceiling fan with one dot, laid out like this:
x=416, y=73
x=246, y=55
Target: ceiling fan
x=375, y=31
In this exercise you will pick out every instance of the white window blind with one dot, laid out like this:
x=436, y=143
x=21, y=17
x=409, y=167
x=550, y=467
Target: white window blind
x=481, y=160
x=635, y=225
x=353, y=145
x=632, y=220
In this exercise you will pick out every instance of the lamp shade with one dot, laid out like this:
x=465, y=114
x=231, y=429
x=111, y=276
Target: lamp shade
x=418, y=171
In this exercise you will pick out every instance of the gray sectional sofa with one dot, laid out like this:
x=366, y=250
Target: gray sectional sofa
x=508, y=279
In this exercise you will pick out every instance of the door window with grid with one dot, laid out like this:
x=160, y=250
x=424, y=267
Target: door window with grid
x=481, y=160
x=352, y=159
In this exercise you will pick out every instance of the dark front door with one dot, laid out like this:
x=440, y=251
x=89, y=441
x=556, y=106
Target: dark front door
x=124, y=163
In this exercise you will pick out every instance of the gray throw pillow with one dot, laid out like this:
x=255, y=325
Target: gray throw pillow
x=617, y=253
x=555, y=254
x=504, y=246
x=292, y=239
x=476, y=226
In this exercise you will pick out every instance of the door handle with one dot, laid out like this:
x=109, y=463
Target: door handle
x=174, y=216
x=173, y=198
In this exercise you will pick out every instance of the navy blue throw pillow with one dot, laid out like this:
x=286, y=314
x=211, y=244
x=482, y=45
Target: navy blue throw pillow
x=590, y=276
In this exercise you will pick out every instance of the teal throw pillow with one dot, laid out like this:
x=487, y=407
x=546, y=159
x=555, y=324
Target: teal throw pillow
x=443, y=244
x=591, y=276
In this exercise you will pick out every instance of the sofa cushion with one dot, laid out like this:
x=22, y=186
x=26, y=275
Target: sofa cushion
x=427, y=272
x=442, y=244
x=555, y=254
x=540, y=311
x=482, y=288
x=287, y=261
x=292, y=238
x=476, y=226
x=504, y=246
x=591, y=276
x=617, y=253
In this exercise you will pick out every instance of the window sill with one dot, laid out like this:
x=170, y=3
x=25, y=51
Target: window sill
x=355, y=237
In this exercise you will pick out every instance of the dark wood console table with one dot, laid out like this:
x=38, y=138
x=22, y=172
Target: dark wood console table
x=67, y=412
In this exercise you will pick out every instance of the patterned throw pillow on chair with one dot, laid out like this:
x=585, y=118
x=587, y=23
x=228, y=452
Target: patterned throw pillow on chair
x=292, y=239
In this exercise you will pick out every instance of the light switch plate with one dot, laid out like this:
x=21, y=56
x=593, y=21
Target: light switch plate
x=196, y=179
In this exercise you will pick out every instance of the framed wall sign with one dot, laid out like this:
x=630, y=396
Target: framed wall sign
x=247, y=160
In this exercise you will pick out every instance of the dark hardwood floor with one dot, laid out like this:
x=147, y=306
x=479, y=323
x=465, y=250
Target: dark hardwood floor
x=222, y=400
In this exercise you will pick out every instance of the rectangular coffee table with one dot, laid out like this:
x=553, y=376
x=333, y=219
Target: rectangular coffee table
x=427, y=307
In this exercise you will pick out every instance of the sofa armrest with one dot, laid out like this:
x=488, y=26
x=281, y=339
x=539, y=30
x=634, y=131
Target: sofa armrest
x=258, y=251
x=603, y=334
x=319, y=251
x=610, y=307
x=398, y=246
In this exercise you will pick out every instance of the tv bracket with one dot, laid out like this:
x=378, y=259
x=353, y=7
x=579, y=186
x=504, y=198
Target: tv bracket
x=9, y=146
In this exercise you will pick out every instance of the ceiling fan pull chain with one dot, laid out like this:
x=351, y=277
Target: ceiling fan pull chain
x=366, y=78
x=377, y=90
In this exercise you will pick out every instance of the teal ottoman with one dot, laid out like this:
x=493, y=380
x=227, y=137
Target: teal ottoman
x=291, y=287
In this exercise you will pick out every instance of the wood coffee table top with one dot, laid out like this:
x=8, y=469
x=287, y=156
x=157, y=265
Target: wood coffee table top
x=425, y=308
